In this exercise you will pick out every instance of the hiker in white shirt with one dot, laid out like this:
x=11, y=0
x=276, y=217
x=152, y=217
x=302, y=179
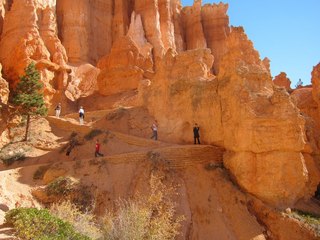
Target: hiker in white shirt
x=81, y=115
x=58, y=110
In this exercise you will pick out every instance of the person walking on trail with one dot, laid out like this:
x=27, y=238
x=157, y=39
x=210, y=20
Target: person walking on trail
x=154, y=128
x=81, y=115
x=97, y=152
x=196, y=134
x=58, y=110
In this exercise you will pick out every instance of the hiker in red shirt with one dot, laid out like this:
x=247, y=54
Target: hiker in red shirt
x=97, y=152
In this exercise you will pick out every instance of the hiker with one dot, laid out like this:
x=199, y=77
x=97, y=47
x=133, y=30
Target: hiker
x=196, y=134
x=97, y=152
x=154, y=128
x=81, y=115
x=58, y=110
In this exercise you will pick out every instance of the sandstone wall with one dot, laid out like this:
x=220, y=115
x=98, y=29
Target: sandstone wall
x=4, y=96
x=263, y=129
x=79, y=32
x=215, y=22
x=74, y=28
x=4, y=89
x=241, y=110
x=32, y=39
x=149, y=11
x=183, y=92
x=129, y=58
x=2, y=13
x=191, y=18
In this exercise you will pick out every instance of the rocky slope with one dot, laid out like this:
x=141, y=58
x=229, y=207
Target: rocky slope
x=182, y=65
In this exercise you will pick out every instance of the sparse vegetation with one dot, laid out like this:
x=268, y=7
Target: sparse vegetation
x=34, y=224
x=92, y=134
x=83, y=222
x=150, y=218
x=14, y=152
x=145, y=218
x=60, y=186
x=10, y=159
x=67, y=188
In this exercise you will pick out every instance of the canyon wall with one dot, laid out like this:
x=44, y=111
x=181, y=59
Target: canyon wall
x=185, y=64
x=263, y=129
x=241, y=110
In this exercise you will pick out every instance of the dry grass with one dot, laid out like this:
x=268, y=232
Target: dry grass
x=83, y=222
x=153, y=217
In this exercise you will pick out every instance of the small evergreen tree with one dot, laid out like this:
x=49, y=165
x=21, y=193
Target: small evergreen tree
x=28, y=95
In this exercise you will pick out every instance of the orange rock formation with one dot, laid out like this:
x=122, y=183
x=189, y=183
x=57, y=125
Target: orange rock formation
x=282, y=81
x=183, y=65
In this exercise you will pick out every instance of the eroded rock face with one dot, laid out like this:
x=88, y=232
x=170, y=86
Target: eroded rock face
x=83, y=81
x=74, y=29
x=178, y=26
x=262, y=127
x=33, y=39
x=20, y=40
x=130, y=57
x=241, y=110
x=183, y=92
x=191, y=17
x=4, y=89
x=282, y=81
x=48, y=33
x=215, y=22
x=2, y=13
x=121, y=18
x=309, y=110
x=149, y=11
x=188, y=67
x=167, y=24
x=64, y=32
x=4, y=96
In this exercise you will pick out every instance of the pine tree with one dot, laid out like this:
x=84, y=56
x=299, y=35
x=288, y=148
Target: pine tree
x=28, y=96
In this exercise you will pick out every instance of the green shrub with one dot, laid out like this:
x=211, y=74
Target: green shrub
x=10, y=159
x=34, y=224
x=93, y=133
x=61, y=185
